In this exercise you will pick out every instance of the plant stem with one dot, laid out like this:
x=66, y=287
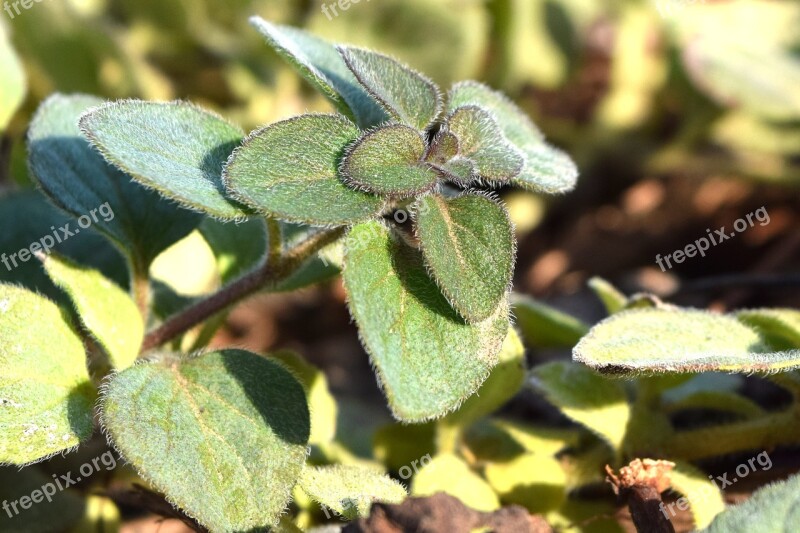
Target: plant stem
x=140, y=286
x=269, y=274
x=763, y=433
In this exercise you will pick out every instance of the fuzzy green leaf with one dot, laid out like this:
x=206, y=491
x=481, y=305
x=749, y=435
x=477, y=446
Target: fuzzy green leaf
x=230, y=422
x=652, y=340
x=772, y=509
x=175, y=148
x=780, y=328
x=77, y=179
x=427, y=358
x=407, y=96
x=503, y=384
x=289, y=170
x=350, y=490
x=320, y=64
x=387, y=161
x=594, y=401
x=12, y=90
x=468, y=243
x=543, y=326
x=546, y=169
x=450, y=474
x=46, y=396
x=107, y=312
x=483, y=143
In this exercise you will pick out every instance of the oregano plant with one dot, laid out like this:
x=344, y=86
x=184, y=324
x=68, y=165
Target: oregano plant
x=393, y=189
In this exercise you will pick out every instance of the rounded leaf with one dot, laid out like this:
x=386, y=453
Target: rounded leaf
x=289, y=170
x=223, y=434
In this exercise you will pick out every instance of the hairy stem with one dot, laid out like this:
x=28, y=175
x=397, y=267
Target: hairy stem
x=269, y=274
x=140, y=287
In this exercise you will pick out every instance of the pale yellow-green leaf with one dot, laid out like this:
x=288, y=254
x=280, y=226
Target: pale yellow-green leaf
x=13, y=86
x=105, y=310
x=704, y=497
x=350, y=490
x=534, y=481
x=450, y=474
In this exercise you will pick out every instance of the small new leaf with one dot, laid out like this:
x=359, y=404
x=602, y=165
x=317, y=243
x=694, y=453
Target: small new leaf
x=289, y=170
x=106, y=311
x=427, y=358
x=175, y=148
x=235, y=426
x=350, y=490
x=482, y=142
x=320, y=64
x=546, y=169
x=46, y=396
x=407, y=96
x=544, y=326
x=387, y=161
x=654, y=340
x=468, y=243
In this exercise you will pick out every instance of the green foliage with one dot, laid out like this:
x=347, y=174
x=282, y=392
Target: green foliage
x=175, y=148
x=289, y=170
x=543, y=326
x=12, y=91
x=387, y=161
x=653, y=340
x=407, y=96
x=242, y=442
x=780, y=328
x=706, y=499
x=46, y=397
x=321, y=65
x=404, y=319
x=350, y=490
x=533, y=480
x=482, y=143
x=613, y=300
x=592, y=400
x=76, y=179
x=237, y=246
x=546, y=169
x=770, y=509
x=449, y=473
x=468, y=244
x=105, y=310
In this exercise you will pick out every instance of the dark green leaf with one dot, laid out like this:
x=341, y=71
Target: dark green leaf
x=482, y=142
x=77, y=179
x=320, y=64
x=427, y=358
x=407, y=96
x=387, y=161
x=53, y=514
x=289, y=170
x=546, y=169
x=175, y=148
x=468, y=243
